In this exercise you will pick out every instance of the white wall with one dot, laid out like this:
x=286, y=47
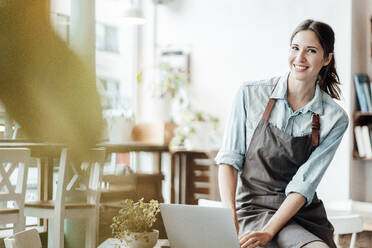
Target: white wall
x=235, y=41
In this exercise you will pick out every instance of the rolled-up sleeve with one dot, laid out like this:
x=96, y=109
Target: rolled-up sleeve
x=233, y=148
x=308, y=176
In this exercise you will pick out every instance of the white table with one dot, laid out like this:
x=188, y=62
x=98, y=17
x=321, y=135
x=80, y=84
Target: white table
x=115, y=243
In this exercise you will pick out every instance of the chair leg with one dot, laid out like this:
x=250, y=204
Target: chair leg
x=90, y=233
x=20, y=225
x=336, y=239
x=58, y=239
x=353, y=240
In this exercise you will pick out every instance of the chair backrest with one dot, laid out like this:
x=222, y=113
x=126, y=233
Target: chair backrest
x=29, y=238
x=200, y=177
x=79, y=180
x=14, y=165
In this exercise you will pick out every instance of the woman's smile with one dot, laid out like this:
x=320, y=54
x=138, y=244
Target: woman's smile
x=300, y=68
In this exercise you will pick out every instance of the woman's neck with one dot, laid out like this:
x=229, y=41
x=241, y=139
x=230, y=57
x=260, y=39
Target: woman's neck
x=299, y=93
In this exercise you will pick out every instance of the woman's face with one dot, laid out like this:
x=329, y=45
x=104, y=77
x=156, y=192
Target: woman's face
x=306, y=56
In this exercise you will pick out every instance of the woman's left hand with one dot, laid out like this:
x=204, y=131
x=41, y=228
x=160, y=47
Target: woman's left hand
x=253, y=239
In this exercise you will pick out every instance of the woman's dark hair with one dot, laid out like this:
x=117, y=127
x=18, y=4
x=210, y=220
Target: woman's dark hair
x=328, y=78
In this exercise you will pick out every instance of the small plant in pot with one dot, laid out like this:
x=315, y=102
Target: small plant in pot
x=133, y=225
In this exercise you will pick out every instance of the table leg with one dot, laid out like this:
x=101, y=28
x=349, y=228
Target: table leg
x=40, y=185
x=172, y=193
x=45, y=185
x=42, y=164
x=188, y=183
x=181, y=179
x=49, y=178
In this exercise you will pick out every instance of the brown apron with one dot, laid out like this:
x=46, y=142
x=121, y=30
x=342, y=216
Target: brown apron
x=272, y=159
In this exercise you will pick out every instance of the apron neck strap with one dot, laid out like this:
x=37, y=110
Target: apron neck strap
x=315, y=122
x=315, y=130
x=270, y=104
x=269, y=108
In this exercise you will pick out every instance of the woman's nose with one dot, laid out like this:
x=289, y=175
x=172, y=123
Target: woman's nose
x=301, y=56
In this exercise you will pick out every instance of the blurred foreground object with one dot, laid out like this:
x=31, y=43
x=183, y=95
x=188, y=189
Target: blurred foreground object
x=44, y=85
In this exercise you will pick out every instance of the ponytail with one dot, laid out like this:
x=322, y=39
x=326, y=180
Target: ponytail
x=329, y=81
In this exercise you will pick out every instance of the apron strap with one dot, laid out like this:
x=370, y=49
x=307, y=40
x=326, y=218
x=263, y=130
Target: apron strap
x=315, y=130
x=270, y=104
x=269, y=108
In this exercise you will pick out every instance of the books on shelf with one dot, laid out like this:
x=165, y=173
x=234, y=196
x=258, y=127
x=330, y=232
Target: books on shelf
x=367, y=141
x=363, y=91
x=363, y=137
x=359, y=141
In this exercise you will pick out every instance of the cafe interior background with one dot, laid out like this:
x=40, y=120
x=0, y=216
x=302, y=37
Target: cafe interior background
x=178, y=68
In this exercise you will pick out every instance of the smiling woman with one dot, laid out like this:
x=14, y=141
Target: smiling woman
x=269, y=171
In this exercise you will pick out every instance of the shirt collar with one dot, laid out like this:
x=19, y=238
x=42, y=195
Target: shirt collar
x=315, y=105
x=280, y=91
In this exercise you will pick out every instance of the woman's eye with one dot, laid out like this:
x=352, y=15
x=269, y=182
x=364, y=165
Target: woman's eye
x=312, y=51
x=294, y=48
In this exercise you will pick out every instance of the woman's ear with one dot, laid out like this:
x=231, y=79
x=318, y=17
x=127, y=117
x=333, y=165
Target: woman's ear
x=328, y=59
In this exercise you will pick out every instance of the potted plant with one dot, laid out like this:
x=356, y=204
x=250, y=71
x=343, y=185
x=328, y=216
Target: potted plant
x=172, y=82
x=133, y=225
x=169, y=86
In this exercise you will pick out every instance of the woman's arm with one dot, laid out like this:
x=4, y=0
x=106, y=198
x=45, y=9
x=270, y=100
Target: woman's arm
x=287, y=210
x=227, y=180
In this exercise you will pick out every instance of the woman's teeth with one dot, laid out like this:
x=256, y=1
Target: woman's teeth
x=300, y=67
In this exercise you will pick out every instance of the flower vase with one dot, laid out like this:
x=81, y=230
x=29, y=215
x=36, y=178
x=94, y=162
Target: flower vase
x=141, y=240
x=120, y=129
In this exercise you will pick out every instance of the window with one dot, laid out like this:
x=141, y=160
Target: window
x=116, y=56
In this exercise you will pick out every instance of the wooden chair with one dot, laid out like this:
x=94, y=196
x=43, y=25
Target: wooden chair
x=193, y=177
x=76, y=198
x=13, y=161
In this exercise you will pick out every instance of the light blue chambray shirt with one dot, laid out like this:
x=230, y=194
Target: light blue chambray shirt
x=248, y=107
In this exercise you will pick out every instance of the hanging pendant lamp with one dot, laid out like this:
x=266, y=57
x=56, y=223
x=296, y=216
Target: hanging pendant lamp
x=134, y=15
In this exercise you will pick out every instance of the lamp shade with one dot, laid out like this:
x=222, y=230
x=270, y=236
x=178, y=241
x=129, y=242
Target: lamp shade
x=134, y=16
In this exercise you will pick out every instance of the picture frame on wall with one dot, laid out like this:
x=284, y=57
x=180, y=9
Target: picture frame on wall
x=177, y=58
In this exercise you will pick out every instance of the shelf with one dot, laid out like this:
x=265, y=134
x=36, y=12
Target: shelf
x=356, y=157
x=362, y=118
x=363, y=159
x=359, y=114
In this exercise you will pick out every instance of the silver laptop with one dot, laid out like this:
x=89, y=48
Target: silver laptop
x=191, y=226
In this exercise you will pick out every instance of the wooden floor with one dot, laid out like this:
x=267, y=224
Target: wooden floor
x=364, y=240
